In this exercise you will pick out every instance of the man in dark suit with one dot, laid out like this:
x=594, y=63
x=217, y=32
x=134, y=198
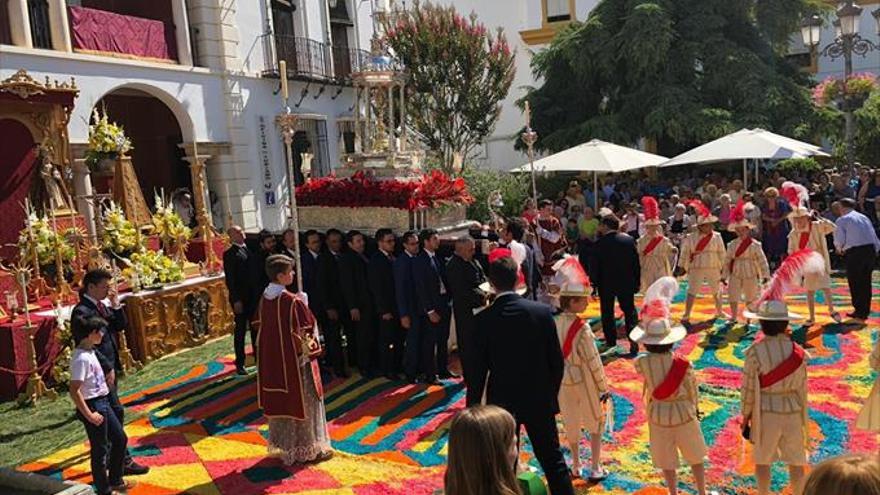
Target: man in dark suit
x=618, y=274
x=332, y=304
x=259, y=277
x=515, y=344
x=355, y=288
x=309, y=263
x=96, y=288
x=380, y=273
x=465, y=276
x=432, y=296
x=288, y=248
x=407, y=306
x=237, y=267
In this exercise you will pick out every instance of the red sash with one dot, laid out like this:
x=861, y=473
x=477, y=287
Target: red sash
x=785, y=368
x=805, y=238
x=573, y=330
x=740, y=250
x=673, y=379
x=701, y=245
x=651, y=245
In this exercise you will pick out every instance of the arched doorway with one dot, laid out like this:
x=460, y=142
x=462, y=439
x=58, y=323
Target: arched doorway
x=16, y=174
x=155, y=135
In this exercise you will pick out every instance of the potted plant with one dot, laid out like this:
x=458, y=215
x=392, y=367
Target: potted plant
x=170, y=228
x=107, y=142
x=46, y=242
x=119, y=237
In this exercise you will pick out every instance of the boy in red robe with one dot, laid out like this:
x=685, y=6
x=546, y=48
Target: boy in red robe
x=289, y=386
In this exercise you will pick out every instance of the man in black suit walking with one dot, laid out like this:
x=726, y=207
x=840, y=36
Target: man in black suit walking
x=515, y=344
x=380, y=272
x=465, y=276
x=237, y=267
x=96, y=288
x=332, y=304
x=432, y=295
x=407, y=306
x=618, y=274
x=259, y=277
x=355, y=288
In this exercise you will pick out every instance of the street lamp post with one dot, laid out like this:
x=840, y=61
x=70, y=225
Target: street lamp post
x=847, y=42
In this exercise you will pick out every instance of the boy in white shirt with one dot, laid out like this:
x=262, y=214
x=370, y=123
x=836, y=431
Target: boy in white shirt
x=90, y=394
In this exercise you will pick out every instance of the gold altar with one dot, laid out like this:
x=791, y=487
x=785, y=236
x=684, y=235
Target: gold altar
x=177, y=317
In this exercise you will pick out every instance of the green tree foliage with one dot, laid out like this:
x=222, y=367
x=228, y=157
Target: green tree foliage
x=458, y=74
x=680, y=72
x=829, y=122
x=514, y=189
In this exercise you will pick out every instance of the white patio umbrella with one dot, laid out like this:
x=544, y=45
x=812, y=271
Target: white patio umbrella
x=744, y=145
x=595, y=156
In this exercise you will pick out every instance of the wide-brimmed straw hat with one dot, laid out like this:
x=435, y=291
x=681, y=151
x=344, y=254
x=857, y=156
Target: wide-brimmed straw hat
x=772, y=310
x=799, y=211
x=732, y=226
x=657, y=332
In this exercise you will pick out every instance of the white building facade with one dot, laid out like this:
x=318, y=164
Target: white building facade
x=214, y=84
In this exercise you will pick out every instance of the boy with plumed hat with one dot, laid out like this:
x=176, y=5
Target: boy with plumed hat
x=583, y=394
x=702, y=258
x=670, y=389
x=745, y=266
x=655, y=249
x=774, y=388
x=809, y=231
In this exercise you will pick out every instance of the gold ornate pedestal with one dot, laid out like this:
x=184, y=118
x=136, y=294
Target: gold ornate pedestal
x=177, y=317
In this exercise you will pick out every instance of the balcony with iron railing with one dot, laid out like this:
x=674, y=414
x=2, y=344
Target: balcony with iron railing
x=311, y=60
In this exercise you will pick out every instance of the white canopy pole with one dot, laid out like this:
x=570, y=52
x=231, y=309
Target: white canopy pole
x=595, y=192
x=745, y=174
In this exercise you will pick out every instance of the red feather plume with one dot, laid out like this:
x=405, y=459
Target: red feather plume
x=789, y=273
x=738, y=214
x=498, y=253
x=795, y=194
x=651, y=208
x=701, y=209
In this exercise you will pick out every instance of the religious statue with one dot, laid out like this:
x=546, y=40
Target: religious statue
x=50, y=190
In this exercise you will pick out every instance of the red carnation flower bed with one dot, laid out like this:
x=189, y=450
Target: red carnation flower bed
x=362, y=189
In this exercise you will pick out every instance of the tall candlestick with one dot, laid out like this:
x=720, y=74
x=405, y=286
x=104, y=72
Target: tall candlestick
x=282, y=67
x=22, y=283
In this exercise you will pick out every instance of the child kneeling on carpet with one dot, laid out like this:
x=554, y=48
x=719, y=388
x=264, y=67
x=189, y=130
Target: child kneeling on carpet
x=583, y=393
x=774, y=387
x=845, y=475
x=670, y=390
x=90, y=394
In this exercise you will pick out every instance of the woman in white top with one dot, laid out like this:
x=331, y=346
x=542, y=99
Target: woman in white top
x=90, y=394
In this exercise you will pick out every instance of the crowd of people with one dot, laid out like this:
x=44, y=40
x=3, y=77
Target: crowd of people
x=513, y=292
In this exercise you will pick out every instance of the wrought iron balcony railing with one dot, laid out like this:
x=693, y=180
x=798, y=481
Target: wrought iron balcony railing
x=312, y=60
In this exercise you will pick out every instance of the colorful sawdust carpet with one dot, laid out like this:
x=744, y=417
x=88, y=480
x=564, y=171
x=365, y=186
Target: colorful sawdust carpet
x=204, y=434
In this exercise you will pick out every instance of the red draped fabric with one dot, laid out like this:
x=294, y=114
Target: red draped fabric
x=14, y=352
x=16, y=173
x=102, y=31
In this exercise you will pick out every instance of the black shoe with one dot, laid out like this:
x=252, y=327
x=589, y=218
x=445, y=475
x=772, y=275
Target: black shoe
x=633, y=349
x=431, y=380
x=412, y=379
x=448, y=375
x=134, y=469
x=240, y=371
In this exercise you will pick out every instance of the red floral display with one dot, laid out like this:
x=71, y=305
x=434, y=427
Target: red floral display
x=363, y=189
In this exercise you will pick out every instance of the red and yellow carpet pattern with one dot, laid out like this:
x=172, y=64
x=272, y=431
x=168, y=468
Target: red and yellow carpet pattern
x=203, y=433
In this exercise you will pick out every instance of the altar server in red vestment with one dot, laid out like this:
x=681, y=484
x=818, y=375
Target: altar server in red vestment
x=670, y=390
x=289, y=386
x=551, y=236
x=774, y=387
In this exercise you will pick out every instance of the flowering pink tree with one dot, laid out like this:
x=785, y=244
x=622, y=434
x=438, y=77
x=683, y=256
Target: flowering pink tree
x=458, y=74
